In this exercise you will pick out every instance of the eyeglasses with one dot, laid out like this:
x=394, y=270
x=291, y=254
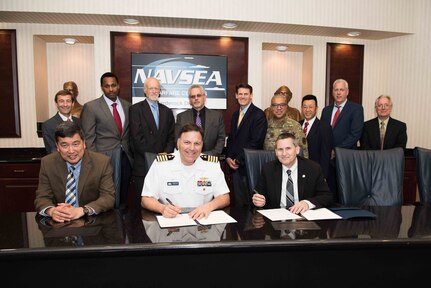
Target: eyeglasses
x=196, y=96
x=281, y=105
x=383, y=106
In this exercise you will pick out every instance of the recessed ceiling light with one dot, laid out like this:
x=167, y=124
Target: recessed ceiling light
x=130, y=21
x=354, y=34
x=229, y=25
x=70, y=41
x=281, y=48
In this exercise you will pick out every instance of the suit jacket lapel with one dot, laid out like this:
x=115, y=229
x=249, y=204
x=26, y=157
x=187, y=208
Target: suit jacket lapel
x=86, y=167
x=301, y=178
x=278, y=178
x=148, y=115
x=108, y=115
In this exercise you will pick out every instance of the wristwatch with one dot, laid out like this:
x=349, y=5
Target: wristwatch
x=86, y=211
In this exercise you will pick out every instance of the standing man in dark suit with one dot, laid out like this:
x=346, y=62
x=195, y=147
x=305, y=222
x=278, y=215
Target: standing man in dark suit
x=318, y=133
x=84, y=174
x=310, y=189
x=394, y=132
x=105, y=122
x=152, y=125
x=248, y=130
x=347, y=120
x=64, y=100
x=211, y=121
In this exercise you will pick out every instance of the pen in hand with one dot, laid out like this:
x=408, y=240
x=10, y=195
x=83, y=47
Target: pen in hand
x=177, y=209
x=169, y=201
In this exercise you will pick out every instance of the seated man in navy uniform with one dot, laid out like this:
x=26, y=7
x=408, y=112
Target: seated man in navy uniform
x=185, y=179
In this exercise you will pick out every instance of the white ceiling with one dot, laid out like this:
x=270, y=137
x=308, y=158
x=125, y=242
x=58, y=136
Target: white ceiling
x=188, y=23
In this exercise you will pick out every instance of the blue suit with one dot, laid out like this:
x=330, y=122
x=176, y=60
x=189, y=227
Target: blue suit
x=348, y=128
x=250, y=134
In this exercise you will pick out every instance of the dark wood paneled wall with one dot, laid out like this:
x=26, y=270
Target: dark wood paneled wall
x=235, y=48
x=9, y=108
x=344, y=61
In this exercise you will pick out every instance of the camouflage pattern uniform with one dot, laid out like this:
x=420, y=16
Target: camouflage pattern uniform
x=277, y=126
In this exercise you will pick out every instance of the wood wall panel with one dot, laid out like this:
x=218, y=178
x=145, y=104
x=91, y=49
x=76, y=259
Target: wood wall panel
x=9, y=108
x=345, y=61
x=235, y=48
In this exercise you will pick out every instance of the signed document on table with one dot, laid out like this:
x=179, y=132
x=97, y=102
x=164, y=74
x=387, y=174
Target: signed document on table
x=279, y=214
x=215, y=217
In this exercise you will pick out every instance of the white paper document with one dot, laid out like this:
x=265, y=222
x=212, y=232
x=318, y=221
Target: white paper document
x=320, y=214
x=215, y=217
x=279, y=214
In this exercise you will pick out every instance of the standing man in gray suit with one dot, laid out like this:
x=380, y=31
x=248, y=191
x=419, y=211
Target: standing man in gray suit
x=211, y=121
x=105, y=122
x=64, y=100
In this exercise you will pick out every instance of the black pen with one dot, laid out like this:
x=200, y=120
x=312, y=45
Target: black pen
x=170, y=202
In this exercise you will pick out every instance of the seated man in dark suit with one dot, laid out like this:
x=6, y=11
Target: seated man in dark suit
x=73, y=182
x=383, y=132
x=291, y=181
x=64, y=100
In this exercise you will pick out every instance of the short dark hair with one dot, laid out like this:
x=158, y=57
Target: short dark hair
x=286, y=135
x=108, y=75
x=244, y=85
x=64, y=93
x=191, y=127
x=309, y=97
x=67, y=129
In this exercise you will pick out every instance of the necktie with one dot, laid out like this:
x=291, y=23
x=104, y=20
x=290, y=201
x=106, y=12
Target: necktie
x=306, y=128
x=382, y=134
x=198, y=120
x=155, y=113
x=337, y=113
x=117, y=118
x=71, y=188
x=241, y=115
x=289, y=190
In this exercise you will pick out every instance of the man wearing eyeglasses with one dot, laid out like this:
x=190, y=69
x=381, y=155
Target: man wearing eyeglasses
x=280, y=123
x=383, y=132
x=211, y=121
x=152, y=130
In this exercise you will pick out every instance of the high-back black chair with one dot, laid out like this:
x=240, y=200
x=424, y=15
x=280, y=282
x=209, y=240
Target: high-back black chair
x=254, y=160
x=423, y=173
x=370, y=177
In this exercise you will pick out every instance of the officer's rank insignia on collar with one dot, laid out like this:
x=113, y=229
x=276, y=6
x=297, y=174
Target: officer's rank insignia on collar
x=209, y=158
x=164, y=157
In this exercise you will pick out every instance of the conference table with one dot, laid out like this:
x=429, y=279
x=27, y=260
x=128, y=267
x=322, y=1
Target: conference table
x=127, y=248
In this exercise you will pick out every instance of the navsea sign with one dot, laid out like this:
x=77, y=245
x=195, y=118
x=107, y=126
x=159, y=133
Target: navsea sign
x=177, y=73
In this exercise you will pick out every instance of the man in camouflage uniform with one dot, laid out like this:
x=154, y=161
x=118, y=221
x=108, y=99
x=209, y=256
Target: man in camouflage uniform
x=282, y=123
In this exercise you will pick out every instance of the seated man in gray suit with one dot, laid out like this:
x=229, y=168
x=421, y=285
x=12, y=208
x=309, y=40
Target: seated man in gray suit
x=64, y=100
x=211, y=121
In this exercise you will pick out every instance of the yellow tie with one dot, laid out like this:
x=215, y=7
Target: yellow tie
x=241, y=115
x=382, y=134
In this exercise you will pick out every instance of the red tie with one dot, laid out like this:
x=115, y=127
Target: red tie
x=117, y=118
x=305, y=128
x=337, y=113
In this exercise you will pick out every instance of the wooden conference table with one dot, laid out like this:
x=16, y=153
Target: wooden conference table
x=129, y=249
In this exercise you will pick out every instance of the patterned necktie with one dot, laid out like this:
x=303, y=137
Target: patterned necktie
x=198, y=120
x=155, y=113
x=289, y=189
x=382, y=134
x=306, y=128
x=117, y=118
x=337, y=113
x=241, y=115
x=71, y=188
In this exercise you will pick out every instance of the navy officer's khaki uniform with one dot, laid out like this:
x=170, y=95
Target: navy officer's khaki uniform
x=185, y=186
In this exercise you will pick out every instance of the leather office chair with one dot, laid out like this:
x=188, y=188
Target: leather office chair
x=149, y=159
x=423, y=173
x=370, y=177
x=254, y=160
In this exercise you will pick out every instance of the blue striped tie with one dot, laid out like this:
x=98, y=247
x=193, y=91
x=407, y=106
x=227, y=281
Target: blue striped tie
x=71, y=188
x=289, y=190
